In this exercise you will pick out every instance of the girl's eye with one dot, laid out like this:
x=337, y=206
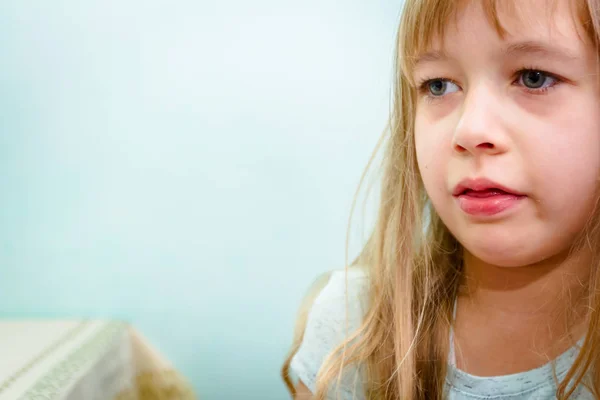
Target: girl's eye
x=533, y=79
x=440, y=87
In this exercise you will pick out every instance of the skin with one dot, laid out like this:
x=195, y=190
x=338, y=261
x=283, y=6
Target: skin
x=480, y=115
x=302, y=392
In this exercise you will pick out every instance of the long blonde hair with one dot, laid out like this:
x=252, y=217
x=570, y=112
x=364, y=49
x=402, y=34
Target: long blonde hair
x=414, y=271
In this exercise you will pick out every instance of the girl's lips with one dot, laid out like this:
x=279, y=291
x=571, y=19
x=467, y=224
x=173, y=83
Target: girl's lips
x=487, y=202
x=481, y=194
x=482, y=185
x=484, y=197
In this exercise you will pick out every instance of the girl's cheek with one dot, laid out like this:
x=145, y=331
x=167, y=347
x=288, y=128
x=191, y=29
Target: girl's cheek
x=435, y=109
x=542, y=106
x=425, y=140
x=429, y=156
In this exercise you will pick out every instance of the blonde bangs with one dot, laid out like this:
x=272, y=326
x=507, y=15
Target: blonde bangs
x=426, y=21
x=422, y=22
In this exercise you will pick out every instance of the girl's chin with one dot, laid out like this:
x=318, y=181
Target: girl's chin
x=508, y=258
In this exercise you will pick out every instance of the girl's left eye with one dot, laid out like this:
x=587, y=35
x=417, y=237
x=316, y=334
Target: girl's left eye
x=536, y=80
x=439, y=87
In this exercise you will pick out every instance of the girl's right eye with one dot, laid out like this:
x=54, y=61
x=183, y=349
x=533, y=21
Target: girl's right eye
x=439, y=87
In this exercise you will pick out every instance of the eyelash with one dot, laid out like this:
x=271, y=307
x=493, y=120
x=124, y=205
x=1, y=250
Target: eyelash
x=424, y=89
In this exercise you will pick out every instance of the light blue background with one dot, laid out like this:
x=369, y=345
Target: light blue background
x=186, y=165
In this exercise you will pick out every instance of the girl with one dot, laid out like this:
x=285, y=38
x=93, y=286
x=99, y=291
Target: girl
x=494, y=148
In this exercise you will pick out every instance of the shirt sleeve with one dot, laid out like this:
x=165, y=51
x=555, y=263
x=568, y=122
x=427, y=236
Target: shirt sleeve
x=326, y=328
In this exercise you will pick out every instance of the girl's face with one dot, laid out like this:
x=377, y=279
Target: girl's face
x=507, y=131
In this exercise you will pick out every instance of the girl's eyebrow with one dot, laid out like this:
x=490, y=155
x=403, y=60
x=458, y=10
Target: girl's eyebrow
x=540, y=49
x=430, y=56
x=529, y=47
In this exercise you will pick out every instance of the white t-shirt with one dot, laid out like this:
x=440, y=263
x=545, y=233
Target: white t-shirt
x=326, y=328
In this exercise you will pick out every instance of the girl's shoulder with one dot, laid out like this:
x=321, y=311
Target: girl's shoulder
x=343, y=300
x=337, y=312
x=349, y=285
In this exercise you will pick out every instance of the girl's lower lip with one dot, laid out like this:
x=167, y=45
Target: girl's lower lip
x=489, y=205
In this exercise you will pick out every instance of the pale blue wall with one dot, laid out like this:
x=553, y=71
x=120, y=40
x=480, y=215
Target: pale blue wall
x=186, y=165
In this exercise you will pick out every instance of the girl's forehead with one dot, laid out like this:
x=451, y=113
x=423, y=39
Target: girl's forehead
x=440, y=23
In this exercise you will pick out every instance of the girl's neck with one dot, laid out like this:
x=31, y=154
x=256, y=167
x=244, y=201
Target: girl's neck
x=554, y=285
x=519, y=317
